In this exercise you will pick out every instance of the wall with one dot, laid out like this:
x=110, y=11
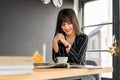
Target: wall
x=25, y=25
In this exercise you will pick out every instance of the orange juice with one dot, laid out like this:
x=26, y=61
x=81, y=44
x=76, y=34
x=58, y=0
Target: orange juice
x=37, y=57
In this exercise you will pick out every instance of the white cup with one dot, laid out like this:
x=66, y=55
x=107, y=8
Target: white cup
x=62, y=59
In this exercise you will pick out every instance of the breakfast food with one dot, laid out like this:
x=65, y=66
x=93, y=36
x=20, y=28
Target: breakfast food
x=37, y=57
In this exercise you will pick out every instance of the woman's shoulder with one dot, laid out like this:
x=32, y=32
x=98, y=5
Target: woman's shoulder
x=82, y=35
x=81, y=38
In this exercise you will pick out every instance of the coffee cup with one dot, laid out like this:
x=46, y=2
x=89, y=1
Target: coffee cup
x=62, y=59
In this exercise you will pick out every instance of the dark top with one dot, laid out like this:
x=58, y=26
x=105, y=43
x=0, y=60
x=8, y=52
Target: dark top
x=77, y=52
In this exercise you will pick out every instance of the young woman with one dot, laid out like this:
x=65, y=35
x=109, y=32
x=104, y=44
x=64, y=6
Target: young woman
x=68, y=39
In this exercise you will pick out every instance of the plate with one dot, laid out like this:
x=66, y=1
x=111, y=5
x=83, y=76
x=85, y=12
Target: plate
x=41, y=64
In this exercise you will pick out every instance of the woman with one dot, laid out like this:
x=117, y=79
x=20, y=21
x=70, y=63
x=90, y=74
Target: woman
x=68, y=39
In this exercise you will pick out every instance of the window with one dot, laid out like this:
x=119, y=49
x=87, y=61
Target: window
x=98, y=26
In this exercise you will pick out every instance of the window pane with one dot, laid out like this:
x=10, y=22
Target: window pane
x=100, y=37
x=97, y=12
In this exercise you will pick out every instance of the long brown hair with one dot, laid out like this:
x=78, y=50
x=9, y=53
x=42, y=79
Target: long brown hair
x=63, y=16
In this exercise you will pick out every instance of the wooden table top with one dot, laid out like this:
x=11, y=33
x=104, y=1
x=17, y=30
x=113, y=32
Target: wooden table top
x=54, y=73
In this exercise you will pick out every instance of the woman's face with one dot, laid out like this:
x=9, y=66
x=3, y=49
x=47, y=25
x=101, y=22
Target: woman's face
x=67, y=27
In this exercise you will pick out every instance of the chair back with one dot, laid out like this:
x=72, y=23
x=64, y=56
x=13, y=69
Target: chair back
x=91, y=62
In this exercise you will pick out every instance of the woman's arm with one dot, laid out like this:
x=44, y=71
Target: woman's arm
x=79, y=52
x=56, y=48
x=56, y=40
x=61, y=52
x=55, y=45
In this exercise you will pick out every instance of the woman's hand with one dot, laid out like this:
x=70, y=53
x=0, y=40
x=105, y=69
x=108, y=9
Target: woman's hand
x=58, y=37
x=64, y=42
x=55, y=41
